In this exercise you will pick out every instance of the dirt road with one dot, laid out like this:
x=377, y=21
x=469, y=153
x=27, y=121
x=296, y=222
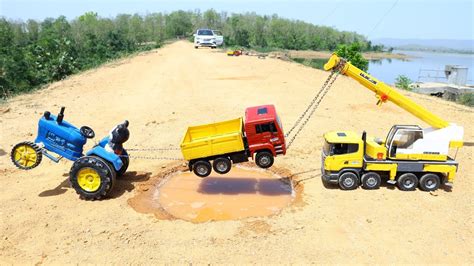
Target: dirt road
x=161, y=92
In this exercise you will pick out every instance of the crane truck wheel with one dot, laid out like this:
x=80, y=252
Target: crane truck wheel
x=371, y=180
x=202, y=168
x=92, y=177
x=407, y=182
x=222, y=165
x=264, y=159
x=348, y=181
x=429, y=182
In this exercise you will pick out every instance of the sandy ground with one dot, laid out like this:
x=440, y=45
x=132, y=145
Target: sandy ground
x=164, y=91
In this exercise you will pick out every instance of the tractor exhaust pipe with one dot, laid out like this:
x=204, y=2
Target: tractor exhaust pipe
x=60, y=115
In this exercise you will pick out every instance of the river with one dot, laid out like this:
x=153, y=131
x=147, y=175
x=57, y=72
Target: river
x=388, y=70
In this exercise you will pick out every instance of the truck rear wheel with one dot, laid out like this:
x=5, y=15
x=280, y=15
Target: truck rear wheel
x=407, y=182
x=222, y=165
x=429, y=182
x=371, y=180
x=348, y=181
x=202, y=168
x=264, y=159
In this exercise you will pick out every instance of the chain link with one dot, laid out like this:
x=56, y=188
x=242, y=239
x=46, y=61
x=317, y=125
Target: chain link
x=310, y=105
x=154, y=149
x=327, y=85
x=156, y=158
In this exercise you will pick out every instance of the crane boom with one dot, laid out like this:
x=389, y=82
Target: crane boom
x=384, y=92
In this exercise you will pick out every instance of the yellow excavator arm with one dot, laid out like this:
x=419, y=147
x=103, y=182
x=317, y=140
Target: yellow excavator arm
x=384, y=92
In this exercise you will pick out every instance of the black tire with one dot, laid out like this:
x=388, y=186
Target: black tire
x=222, y=165
x=430, y=182
x=26, y=161
x=202, y=168
x=93, y=167
x=264, y=159
x=195, y=47
x=371, y=180
x=407, y=182
x=126, y=161
x=348, y=181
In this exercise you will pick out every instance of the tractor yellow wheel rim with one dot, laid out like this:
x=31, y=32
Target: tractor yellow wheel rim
x=25, y=155
x=88, y=179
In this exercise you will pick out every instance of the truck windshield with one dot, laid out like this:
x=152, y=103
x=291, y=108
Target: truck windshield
x=279, y=123
x=339, y=148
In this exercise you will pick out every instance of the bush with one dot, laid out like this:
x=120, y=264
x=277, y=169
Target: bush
x=403, y=82
x=467, y=99
x=353, y=54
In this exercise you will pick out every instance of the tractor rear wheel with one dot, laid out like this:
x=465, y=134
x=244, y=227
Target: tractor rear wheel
x=222, y=165
x=264, y=159
x=407, y=182
x=202, y=168
x=26, y=155
x=92, y=177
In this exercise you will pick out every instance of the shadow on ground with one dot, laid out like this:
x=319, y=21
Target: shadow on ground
x=2, y=152
x=238, y=185
x=125, y=183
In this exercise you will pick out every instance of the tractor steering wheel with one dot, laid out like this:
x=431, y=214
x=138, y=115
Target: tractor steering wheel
x=87, y=132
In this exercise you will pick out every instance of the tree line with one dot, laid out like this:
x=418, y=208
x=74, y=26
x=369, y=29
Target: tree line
x=33, y=53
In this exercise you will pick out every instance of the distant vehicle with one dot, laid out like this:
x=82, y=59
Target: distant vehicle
x=207, y=38
x=219, y=37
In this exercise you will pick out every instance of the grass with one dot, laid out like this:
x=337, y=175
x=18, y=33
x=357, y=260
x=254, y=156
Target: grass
x=314, y=63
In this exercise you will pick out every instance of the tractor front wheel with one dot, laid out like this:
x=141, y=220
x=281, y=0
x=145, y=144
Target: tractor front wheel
x=26, y=155
x=92, y=177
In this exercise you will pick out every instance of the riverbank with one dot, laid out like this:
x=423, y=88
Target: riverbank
x=367, y=55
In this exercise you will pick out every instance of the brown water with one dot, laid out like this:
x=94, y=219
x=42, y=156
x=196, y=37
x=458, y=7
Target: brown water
x=241, y=193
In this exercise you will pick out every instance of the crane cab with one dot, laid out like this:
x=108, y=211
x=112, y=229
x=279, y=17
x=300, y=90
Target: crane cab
x=408, y=142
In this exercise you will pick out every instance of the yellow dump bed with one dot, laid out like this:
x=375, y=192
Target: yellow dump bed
x=213, y=139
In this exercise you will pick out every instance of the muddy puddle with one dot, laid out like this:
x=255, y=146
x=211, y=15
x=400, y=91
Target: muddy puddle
x=241, y=193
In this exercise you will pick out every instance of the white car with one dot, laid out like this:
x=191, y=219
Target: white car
x=207, y=38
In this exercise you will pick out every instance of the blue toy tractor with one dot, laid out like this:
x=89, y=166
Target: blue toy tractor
x=92, y=175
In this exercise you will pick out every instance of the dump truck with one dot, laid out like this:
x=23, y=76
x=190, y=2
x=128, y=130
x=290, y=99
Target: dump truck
x=260, y=137
x=410, y=156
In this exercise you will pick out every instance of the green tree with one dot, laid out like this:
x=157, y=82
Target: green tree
x=403, y=82
x=353, y=54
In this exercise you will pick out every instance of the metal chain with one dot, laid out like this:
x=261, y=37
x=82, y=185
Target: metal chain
x=326, y=89
x=156, y=158
x=311, y=104
x=154, y=149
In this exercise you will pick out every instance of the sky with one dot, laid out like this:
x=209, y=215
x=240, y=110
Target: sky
x=405, y=19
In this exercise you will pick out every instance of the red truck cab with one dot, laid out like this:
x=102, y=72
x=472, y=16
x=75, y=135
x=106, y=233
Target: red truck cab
x=264, y=131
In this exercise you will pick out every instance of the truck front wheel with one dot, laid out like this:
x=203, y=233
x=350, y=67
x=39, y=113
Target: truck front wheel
x=202, y=168
x=222, y=165
x=348, y=181
x=264, y=159
x=371, y=180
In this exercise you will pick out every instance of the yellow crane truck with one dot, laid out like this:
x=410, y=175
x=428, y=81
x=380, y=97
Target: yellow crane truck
x=410, y=156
